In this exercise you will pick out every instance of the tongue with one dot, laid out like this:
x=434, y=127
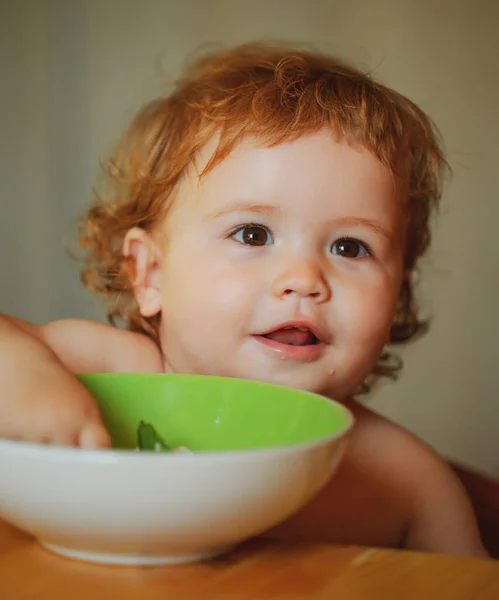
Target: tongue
x=292, y=337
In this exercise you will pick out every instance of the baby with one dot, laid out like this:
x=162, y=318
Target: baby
x=263, y=221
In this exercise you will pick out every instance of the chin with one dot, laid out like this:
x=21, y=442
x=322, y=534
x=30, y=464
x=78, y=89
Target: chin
x=299, y=383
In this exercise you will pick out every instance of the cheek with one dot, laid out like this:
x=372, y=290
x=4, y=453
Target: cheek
x=206, y=287
x=370, y=309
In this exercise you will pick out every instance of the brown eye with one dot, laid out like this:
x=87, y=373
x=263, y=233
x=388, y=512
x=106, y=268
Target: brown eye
x=349, y=248
x=252, y=235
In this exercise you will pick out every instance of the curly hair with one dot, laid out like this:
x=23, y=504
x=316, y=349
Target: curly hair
x=274, y=94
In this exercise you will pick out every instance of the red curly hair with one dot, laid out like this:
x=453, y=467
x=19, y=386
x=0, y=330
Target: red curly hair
x=276, y=95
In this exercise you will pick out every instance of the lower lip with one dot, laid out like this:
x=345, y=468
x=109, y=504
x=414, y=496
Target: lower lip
x=306, y=353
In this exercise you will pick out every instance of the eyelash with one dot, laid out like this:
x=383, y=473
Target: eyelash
x=244, y=226
x=344, y=238
x=352, y=238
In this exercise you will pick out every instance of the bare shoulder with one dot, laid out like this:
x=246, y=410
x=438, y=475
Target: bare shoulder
x=440, y=515
x=87, y=346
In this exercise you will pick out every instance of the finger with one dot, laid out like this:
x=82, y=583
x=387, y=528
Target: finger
x=94, y=436
x=61, y=436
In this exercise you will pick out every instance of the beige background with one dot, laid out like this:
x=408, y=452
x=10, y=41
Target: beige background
x=73, y=71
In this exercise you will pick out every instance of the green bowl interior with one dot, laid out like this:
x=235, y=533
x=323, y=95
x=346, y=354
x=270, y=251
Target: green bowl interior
x=212, y=413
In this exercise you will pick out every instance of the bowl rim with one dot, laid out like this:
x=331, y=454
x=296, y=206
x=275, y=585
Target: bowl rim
x=78, y=455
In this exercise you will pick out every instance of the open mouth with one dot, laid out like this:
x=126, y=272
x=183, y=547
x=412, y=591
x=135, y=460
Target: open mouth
x=293, y=336
x=294, y=341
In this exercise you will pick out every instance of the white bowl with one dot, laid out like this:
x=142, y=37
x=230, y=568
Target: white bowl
x=127, y=507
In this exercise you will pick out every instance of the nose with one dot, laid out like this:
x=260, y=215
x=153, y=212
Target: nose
x=303, y=279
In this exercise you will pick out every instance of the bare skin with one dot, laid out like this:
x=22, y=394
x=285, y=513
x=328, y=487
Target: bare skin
x=283, y=264
x=407, y=496
x=391, y=490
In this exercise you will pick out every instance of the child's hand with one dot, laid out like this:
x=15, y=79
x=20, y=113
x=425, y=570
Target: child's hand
x=40, y=400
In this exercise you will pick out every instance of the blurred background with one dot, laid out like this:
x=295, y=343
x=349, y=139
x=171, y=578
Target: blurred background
x=74, y=71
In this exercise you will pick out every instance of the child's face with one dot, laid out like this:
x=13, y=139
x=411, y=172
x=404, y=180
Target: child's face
x=306, y=235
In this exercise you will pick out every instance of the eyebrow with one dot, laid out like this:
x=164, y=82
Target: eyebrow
x=373, y=225
x=266, y=209
x=262, y=209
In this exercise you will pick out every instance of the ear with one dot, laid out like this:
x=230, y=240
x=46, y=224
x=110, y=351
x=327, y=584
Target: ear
x=144, y=256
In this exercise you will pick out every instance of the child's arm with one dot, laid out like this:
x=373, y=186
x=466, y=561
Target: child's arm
x=89, y=347
x=439, y=515
x=40, y=399
x=443, y=520
x=86, y=346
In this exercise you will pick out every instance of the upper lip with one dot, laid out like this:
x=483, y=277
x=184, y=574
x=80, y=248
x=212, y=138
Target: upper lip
x=315, y=329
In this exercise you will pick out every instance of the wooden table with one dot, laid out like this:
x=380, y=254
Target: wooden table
x=257, y=571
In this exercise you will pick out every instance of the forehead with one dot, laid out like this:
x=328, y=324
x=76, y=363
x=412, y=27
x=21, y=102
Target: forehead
x=312, y=170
